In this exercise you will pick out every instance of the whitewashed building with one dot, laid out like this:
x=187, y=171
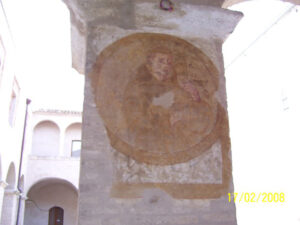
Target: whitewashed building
x=12, y=120
x=51, y=184
x=39, y=153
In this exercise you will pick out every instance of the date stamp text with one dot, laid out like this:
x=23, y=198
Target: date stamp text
x=252, y=197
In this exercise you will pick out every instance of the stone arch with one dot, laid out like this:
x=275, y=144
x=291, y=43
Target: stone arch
x=10, y=197
x=46, y=139
x=72, y=140
x=51, y=180
x=46, y=194
x=11, y=176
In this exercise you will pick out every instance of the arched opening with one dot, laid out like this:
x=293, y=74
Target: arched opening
x=72, y=145
x=10, y=198
x=11, y=176
x=45, y=139
x=45, y=195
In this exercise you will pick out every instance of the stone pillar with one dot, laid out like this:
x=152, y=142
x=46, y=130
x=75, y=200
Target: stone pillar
x=3, y=185
x=22, y=209
x=62, y=141
x=9, y=208
x=156, y=146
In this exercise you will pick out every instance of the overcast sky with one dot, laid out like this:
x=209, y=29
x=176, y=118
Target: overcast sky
x=41, y=32
x=264, y=107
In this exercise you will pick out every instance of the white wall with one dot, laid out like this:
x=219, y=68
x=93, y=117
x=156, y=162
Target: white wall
x=8, y=214
x=52, y=164
x=11, y=133
x=52, y=175
x=49, y=167
x=12, y=115
x=46, y=139
x=10, y=82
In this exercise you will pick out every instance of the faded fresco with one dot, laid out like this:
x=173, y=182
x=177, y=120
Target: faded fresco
x=156, y=96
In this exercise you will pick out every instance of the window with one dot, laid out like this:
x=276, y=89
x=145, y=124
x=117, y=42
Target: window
x=72, y=140
x=56, y=216
x=76, y=147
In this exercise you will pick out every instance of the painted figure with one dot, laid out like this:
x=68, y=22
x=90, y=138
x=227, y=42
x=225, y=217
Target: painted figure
x=164, y=106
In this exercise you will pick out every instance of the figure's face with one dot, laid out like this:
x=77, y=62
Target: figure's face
x=160, y=66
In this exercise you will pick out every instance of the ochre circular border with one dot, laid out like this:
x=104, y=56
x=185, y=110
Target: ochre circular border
x=136, y=153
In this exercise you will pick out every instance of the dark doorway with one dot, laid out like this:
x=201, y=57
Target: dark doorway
x=56, y=216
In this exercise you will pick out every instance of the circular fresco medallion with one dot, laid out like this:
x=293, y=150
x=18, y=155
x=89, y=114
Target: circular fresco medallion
x=155, y=94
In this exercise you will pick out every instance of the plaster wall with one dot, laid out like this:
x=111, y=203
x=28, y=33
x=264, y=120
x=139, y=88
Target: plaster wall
x=11, y=133
x=46, y=139
x=41, y=168
x=10, y=197
x=12, y=115
x=2, y=189
x=63, y=119
x=61, y=164
x=9, y=209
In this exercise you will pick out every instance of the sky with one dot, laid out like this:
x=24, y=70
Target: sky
x=41, y=33
x=262, y=73
x=263, y=103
